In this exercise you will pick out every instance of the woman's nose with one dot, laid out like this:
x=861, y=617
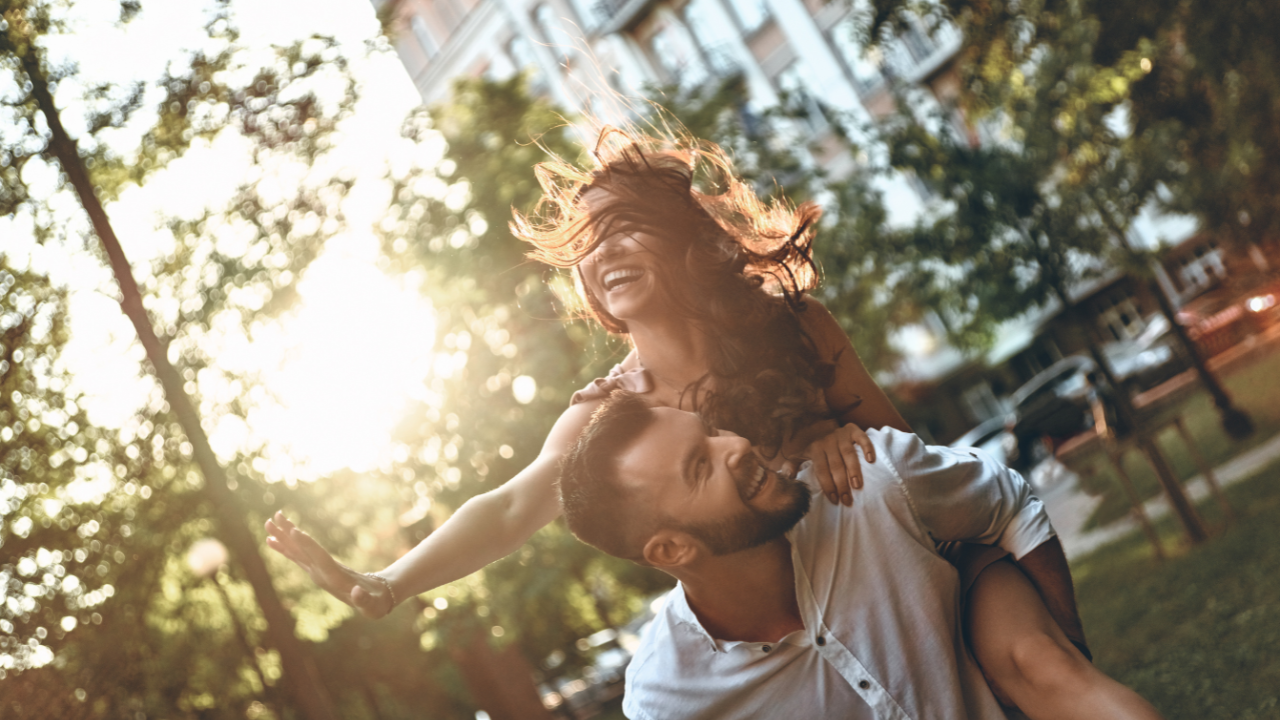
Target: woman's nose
x=609, y=247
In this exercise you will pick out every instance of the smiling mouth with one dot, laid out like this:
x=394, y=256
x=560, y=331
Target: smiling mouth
x=617, y=278
x=756, y=483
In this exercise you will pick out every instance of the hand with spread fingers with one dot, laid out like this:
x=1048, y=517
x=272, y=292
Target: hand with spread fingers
x=371, y=594
x=835, y=461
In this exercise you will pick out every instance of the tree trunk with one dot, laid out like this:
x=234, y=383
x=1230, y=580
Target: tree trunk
x=499, y=680
x=1235, y=421
x=1178, y=500
x=300, y=676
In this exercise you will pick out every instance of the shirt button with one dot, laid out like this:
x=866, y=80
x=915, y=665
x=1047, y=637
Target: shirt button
x=821, y=640
x=767, y=648
x=864, y=684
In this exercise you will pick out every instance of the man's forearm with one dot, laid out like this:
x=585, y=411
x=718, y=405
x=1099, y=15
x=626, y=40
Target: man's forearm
x=1047, y=568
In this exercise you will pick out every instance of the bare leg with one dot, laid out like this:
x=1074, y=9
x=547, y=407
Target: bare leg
x=1029, y=660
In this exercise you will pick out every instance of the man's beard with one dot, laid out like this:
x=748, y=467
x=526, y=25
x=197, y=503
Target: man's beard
x=752, y=527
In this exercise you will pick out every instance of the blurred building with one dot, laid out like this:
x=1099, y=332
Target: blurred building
x=597, y=57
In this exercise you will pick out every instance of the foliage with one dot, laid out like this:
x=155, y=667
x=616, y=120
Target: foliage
x=97, y=521
x=1197, y=83
x=1045, y=202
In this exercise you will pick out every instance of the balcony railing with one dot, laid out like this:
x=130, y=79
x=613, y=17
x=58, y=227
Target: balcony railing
x=614, y=15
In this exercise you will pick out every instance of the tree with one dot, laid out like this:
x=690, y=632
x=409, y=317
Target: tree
x=278, y=110
x=1040, y=209
x=1200, y=133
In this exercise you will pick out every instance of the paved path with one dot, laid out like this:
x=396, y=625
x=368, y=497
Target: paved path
x=1069, y=507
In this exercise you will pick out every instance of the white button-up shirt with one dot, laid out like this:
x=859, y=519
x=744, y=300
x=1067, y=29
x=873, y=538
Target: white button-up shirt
x=881, y=607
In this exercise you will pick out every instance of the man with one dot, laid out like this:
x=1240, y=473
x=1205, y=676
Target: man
x=780, y=611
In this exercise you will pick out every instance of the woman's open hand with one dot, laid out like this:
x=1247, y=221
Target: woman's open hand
x=836, y=464
x=369, y=595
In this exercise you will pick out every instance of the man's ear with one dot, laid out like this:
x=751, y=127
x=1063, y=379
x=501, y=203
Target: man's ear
x=670, y=549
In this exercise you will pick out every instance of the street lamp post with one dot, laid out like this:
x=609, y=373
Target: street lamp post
x=205, y=558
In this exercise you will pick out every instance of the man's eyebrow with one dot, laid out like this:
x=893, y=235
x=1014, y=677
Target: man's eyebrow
x=686, y=466
x=707, y=427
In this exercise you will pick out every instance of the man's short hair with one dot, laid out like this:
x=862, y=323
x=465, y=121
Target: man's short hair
x=600, y=511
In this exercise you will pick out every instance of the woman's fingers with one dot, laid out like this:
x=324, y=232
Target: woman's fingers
x=312, y=550
x=839, y=474
x=822, y=471
x=859, y=438
x=850, y=471
x=278, y=539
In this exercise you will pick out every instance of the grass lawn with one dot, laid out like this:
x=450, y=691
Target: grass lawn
x=1252, y=385
x=1199, y=634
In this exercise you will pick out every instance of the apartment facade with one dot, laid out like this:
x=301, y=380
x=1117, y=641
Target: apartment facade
x=597, y=57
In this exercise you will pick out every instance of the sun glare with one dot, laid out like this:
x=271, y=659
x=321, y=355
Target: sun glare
x=339, y=371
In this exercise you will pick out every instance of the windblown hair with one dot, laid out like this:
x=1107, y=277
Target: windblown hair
x=598, y=510
x=736, y=266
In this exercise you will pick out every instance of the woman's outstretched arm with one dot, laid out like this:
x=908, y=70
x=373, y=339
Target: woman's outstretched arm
x=486, y=528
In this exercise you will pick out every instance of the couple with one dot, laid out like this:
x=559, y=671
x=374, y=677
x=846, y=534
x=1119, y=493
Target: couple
x=788, y=610
x=709, y=288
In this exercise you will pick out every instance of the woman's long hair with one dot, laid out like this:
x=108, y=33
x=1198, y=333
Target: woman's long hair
x=736, y=266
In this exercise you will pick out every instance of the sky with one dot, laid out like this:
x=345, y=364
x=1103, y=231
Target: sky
x=343, y=351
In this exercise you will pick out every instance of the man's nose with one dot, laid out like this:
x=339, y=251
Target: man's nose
x=735, y=448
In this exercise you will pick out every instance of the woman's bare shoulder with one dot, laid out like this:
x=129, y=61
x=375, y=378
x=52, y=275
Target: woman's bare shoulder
x=822, y=327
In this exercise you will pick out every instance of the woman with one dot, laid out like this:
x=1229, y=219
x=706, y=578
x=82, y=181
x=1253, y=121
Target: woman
x=708, y=287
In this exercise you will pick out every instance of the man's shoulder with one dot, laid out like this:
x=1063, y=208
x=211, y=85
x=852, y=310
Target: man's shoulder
x=673, y=652
x=882, y=506
x=906, y=455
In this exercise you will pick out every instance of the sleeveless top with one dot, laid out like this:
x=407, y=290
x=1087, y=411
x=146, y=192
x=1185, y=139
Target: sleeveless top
x=637, y=381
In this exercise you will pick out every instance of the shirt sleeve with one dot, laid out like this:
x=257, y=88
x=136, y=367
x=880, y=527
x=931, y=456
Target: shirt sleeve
x=965, y=495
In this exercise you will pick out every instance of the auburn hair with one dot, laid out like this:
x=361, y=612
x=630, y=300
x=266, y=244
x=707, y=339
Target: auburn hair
x=736, y=266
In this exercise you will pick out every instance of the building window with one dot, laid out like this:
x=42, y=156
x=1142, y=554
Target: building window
x=798, y=90
x=1203, y=268
x=553, y=31
x=587, y=14
x=863, y=67
x=423, y=35
x=676, y=53
x=521, y=53
x=1120, y=318
x=714, y=38
x=500, y=67
x=751, y=14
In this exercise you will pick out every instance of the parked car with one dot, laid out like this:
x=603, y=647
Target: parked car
x=1147, y=360
x=1228, y=314
x=1052, y=404
x=991, y=435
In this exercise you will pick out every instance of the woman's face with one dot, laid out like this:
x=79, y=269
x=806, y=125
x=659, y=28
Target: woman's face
x=624, y=272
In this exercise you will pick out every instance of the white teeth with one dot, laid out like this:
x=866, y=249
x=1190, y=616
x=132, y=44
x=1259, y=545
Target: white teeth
x=758, y=482
x=615, y=278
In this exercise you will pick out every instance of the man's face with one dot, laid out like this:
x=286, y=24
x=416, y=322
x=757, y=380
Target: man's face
x=710, y=484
